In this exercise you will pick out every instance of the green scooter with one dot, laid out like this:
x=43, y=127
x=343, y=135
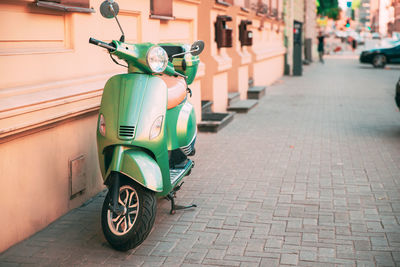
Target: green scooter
x=146, y=132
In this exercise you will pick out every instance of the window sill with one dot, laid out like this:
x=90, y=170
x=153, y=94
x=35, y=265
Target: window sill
x=64, y=7
x=244, y=9
x=160, y=17
x=259, y=14
x=221, y=2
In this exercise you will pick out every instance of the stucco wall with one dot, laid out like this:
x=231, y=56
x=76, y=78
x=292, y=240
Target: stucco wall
x=35, y=176
x=268, y=71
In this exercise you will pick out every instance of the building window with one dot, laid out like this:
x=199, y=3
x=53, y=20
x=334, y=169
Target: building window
x=280, y=10
x=274, y=8
x=67, y=5
x=260, y=6
x=161, y=9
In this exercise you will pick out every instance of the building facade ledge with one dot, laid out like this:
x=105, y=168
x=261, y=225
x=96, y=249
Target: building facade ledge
x=224, y=62
x=263, y=54
x=245, y=57
x=197, y=2
x=220, y=7
x=201, y=70
x=29, y=107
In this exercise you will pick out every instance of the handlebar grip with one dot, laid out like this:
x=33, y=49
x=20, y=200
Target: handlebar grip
x=109, y=47
x=93, y=41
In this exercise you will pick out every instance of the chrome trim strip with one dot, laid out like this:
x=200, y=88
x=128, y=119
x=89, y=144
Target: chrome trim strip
x=189, y=148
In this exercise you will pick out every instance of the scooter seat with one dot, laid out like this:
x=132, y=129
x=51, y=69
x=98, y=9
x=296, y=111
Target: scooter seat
x=176, y=90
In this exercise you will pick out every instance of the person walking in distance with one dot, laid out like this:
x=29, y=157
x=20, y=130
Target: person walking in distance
x=353, y=44
x=321, y=43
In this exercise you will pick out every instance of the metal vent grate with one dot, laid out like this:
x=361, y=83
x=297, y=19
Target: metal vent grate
x=126, y=131
x=187, y=150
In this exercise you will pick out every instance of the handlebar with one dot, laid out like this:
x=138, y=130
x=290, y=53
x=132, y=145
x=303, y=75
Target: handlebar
x=109, y=47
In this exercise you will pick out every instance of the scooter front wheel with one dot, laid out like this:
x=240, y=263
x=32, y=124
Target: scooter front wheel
x=130, y=227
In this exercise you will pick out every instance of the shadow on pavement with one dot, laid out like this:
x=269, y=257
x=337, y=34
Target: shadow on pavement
x=366, y=67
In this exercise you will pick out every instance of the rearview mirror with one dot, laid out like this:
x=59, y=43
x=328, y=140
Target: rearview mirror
x=109, y=9
x=196, y=48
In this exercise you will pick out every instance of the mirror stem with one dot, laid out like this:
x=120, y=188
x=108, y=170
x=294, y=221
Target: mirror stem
x=122, y=39
x=180, y=54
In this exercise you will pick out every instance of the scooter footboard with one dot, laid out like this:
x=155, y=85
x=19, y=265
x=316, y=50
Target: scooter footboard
x=137, y=165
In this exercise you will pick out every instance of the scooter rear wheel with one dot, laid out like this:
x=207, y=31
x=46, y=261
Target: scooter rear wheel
x=129, y=229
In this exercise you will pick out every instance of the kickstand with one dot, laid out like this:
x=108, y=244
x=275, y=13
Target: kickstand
x=172, y=195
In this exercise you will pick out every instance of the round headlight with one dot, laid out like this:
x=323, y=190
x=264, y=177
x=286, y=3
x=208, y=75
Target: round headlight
x=157, y=59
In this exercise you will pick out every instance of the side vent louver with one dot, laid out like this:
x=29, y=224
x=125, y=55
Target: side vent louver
x=126, y=132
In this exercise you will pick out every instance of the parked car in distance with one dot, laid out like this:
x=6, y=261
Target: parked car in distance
x=387, y=43
x=366, y=35
x=379, y=57
x=397, y=97
x=375, y=35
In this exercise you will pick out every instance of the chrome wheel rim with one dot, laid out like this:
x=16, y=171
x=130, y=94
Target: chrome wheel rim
x=379, y=60
x=121, y=224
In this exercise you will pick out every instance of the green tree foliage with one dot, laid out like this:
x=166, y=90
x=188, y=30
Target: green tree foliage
x=356, y=4
x=329, y=8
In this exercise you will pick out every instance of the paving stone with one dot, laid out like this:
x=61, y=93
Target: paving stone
x=289, y=259
x=221, y=262
x=308, y=255
x=365, y=264
x=310, y=237
x=292, y=240
x=384, y=260
x=379, y=241
x=196, y=256
x=326, y=252
x=243, y=258
x=326, y=234
x=308, y=221
x=266, y=262
x=235, y=250
x=217, y=254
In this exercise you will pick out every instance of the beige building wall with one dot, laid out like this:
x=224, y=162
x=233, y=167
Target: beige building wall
x=214, y=86
x=230, y=69
x=298, y=10
x=310, y=19
x=50, y=90
x=302, y=11
x=310, y=25
x=268, y=51
x=238, y=75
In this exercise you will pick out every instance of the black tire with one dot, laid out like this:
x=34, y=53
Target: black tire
x=133, y=235
x=379, y=61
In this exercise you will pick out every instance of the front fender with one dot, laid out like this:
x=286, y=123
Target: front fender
x=137, y=165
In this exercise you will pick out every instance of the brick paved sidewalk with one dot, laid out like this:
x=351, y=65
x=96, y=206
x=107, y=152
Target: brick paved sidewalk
x=310, y=177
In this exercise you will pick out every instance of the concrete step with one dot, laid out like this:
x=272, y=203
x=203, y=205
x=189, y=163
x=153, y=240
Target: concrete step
x=243, y=106
x=233, y=97
x=256, y=92
x=213, y=122
x=206, y=106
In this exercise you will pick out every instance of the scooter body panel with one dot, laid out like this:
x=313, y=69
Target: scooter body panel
x=137, y=165
x=181, y=126
x=133, y=102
